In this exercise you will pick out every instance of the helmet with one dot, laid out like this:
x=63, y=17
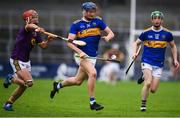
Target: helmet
x=88, y=6
x=29, y=13
x=157, y=13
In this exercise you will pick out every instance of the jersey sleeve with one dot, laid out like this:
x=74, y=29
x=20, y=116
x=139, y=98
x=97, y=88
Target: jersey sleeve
x=102, y=25
x=142, y=36
x=38, y=38
x=73, y=29
x=170, y=37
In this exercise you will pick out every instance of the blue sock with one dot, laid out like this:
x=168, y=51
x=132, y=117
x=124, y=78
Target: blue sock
x=92, y=100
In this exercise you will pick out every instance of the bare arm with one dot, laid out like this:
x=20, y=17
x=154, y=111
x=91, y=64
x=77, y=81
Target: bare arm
x=136, y=44
x=32, y=27
x=110, y=34
x=35, y=27
x=174, y=53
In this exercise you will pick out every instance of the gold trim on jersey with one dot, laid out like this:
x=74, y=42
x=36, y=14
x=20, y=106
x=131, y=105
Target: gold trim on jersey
x=156, y=44
x=167, y=30
x=33, y=41
x=98, y=17
x=89, y=32
x=147, y=29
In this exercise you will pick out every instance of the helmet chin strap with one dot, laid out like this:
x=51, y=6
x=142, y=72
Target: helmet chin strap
x=29, y=20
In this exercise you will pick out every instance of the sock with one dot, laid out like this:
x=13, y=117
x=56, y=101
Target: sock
x=8, y=103
x=92, y=100
x=10, y=77
x=59, y=86
x=143, y=103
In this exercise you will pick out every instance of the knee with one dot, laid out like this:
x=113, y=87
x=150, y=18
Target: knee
x=148, y=84
x=29, y=84
x=93, y=74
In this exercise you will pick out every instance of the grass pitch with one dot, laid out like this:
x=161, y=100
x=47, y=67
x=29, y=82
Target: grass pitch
x=123, y=99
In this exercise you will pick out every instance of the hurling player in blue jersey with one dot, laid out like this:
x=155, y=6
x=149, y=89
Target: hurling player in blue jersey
x=87, y=29
x=155, y=40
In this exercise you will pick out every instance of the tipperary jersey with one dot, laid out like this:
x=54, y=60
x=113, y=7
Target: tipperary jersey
x=155, y=42
x=89, y=32
x=25, y=41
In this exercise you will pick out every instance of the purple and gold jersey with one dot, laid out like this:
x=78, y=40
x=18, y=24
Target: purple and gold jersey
x=89, y=32
x=155, y=42
x=25, y=41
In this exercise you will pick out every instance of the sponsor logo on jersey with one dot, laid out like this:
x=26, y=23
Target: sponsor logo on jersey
x=150, y=36
x=89, y=32
x=82, y=26
x=156, y=44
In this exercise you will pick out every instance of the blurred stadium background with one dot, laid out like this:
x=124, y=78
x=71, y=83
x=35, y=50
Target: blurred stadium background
x=57, y=15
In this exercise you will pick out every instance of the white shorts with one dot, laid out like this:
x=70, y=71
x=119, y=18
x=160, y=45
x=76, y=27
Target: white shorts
x=156, y=71
x=78, y=60
x=18, y=65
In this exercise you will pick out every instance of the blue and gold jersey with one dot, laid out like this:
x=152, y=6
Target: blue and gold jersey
x=89, y=32
x=155, y=42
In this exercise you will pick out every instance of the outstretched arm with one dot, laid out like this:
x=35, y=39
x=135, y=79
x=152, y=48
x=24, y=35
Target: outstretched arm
x=35, y=27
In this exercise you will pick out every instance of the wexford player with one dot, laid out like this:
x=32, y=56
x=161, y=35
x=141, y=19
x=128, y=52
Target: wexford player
x=87, y=29
x=155, y=40
x=27, y=37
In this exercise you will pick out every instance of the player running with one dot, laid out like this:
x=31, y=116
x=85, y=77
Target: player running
x=155, y=40
x=88, y=30
x=27, y=37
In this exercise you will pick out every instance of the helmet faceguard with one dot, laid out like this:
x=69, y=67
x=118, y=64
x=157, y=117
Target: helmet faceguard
x=157, y=14
x=30, y=16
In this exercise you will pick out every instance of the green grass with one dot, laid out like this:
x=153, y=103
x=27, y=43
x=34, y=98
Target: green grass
x=122, y=99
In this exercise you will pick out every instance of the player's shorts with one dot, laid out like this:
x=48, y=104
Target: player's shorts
x=19, y=65
x=78, y=60
x=156, y=71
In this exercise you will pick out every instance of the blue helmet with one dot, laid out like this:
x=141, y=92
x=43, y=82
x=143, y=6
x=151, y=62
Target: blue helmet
x=88, y=6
